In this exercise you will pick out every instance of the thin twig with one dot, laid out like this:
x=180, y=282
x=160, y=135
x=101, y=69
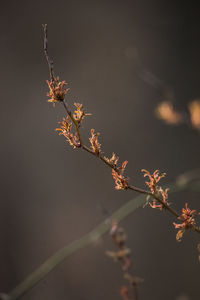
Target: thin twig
x=49, y=61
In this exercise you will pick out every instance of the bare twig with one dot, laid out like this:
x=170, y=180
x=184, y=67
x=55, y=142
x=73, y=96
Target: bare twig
x=49, y=61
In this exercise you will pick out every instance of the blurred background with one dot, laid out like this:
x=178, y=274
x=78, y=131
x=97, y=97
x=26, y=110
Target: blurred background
x=120, y=58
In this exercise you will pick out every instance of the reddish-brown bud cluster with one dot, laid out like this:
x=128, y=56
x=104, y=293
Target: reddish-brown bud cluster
x=120, y=181
x=65, y=130
x=187, y=219
x=164, y=195
x=79, y=114
x=156, y=189
x=153, y=179
x=57, y=90
x=113, y=160
x=96, y=147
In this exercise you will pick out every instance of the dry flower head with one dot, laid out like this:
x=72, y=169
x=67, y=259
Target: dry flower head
x=95, y=145
x=65, y=129
x=113, y=160
x=79, y=114
x=156, y=189
x=57, y=90
x=121, y=182
x=187, y=219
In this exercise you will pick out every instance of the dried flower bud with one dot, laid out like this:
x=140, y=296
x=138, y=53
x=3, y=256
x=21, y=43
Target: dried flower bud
x=120, y=181
x=57, y=91
x=153, y=179
x=164, y=195
x=113, y=160
x=96, y=147
x=65, y=130
x=187, y=219
x=79, y=113
x=156, y=189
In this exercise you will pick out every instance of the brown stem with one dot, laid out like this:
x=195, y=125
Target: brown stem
x=49, y=61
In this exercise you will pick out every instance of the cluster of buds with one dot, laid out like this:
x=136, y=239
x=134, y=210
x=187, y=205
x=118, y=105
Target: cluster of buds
x=153, y=180
x=96, y=147
x=156, y=189
x=187, y=219
x=57, y=90
x=121, y=182
x=112, y=161
x=123, y=255
x=66, y=126
x=65, y=129
x=79, y=114
x=164, y=195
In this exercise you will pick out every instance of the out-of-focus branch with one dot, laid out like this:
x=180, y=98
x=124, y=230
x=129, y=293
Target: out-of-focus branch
x=86, y=240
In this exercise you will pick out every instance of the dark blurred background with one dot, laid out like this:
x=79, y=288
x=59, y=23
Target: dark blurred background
x=116, y=56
